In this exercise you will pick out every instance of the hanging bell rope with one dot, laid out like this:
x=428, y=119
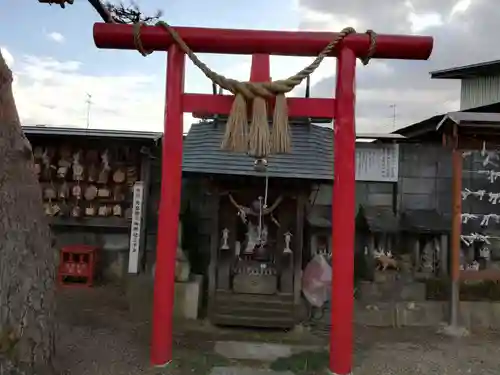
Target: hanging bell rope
x=259, y=141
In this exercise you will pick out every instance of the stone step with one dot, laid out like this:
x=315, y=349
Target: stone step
x=386, y=276
x=260, y=351
x=246, y=371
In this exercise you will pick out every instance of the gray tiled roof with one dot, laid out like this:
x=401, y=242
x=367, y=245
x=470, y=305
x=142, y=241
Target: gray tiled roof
x=425, y=221
x=379, y=219
x=311, y=156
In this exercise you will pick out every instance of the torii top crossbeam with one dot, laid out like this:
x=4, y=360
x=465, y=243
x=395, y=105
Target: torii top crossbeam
x=227, y=41
x=155, y=38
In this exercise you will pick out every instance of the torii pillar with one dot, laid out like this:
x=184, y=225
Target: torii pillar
x=341, y=109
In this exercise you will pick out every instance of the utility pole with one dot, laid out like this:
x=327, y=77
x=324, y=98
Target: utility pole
x=89, y=103
x=393, y=106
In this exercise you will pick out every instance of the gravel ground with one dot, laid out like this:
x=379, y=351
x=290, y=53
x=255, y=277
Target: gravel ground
x=422, y=351
x=98, y=337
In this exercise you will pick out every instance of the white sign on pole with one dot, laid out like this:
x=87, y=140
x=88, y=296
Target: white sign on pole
x=377, y=163
x=135, y=228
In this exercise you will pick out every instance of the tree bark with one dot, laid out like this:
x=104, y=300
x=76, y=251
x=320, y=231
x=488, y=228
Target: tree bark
x=27, y=258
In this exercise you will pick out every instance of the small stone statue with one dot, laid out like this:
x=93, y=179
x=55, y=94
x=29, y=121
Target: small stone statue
x=428, y=258
x=225, y=238
x=474, y=266
x=485, y=253
x=237, y=249
x=288, y=239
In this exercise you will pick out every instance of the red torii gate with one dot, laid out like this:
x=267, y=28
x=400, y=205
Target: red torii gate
x=342, y=109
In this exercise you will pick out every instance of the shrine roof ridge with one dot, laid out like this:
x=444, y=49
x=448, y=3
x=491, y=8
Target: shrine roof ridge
x=46, y=130
x=311, y=156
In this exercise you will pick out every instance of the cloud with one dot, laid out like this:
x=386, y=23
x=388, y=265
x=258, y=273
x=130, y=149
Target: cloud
x=54, y=91
x=56, y=37
x=464, y=33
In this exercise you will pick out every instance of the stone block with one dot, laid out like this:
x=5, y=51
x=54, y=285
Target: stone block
x=379, y=314
x=114, y=265
x=420, y=314
x=187, y=297
x=481, y=315
x=392, y=291
x=414, y=291
x=476, y=315
x=495, y=316
x=385, y=277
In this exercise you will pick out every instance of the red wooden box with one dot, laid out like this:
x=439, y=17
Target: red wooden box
x=77, y=265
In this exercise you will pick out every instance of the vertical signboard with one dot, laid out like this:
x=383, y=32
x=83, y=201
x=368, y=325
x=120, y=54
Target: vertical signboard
x=135, y=227
x=377, y=163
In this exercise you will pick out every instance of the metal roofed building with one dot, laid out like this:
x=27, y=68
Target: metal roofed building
x=480, y=83
x=479, y=92
x=426, y=130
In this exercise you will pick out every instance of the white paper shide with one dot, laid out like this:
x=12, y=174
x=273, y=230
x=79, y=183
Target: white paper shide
x=135, y=228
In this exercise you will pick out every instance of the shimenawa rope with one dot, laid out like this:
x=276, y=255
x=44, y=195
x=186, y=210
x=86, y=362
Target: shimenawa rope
x=259, y=141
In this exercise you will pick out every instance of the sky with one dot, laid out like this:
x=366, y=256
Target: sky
x=57, y=67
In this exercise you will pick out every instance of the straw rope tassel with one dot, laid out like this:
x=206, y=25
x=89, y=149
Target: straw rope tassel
x=259, y=142
x=236, y=135
x=281, y=142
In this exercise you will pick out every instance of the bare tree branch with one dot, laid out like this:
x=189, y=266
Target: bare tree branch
x=61, y=3
x=129, y=14
x=103, y=11
x=114, y=13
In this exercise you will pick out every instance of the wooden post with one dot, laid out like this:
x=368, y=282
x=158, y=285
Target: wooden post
x=170, y=202
x=456, y=231
x=343, y=228
x=444, y=256
x=418, y=252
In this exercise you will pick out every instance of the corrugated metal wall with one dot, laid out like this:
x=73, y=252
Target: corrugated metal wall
x=479, y=91
x=424, y=182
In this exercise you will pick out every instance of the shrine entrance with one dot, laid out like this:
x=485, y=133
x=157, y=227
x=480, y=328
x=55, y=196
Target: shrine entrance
x=347, y=46
x=257, y=255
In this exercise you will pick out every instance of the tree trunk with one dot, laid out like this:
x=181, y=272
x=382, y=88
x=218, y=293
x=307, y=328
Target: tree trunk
x=27, y=258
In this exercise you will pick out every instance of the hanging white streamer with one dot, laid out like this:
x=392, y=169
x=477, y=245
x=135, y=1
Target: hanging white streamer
x=485, y=218
x=491, y=174
x=493, y=198
x=466, y=217
x=471, y=238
